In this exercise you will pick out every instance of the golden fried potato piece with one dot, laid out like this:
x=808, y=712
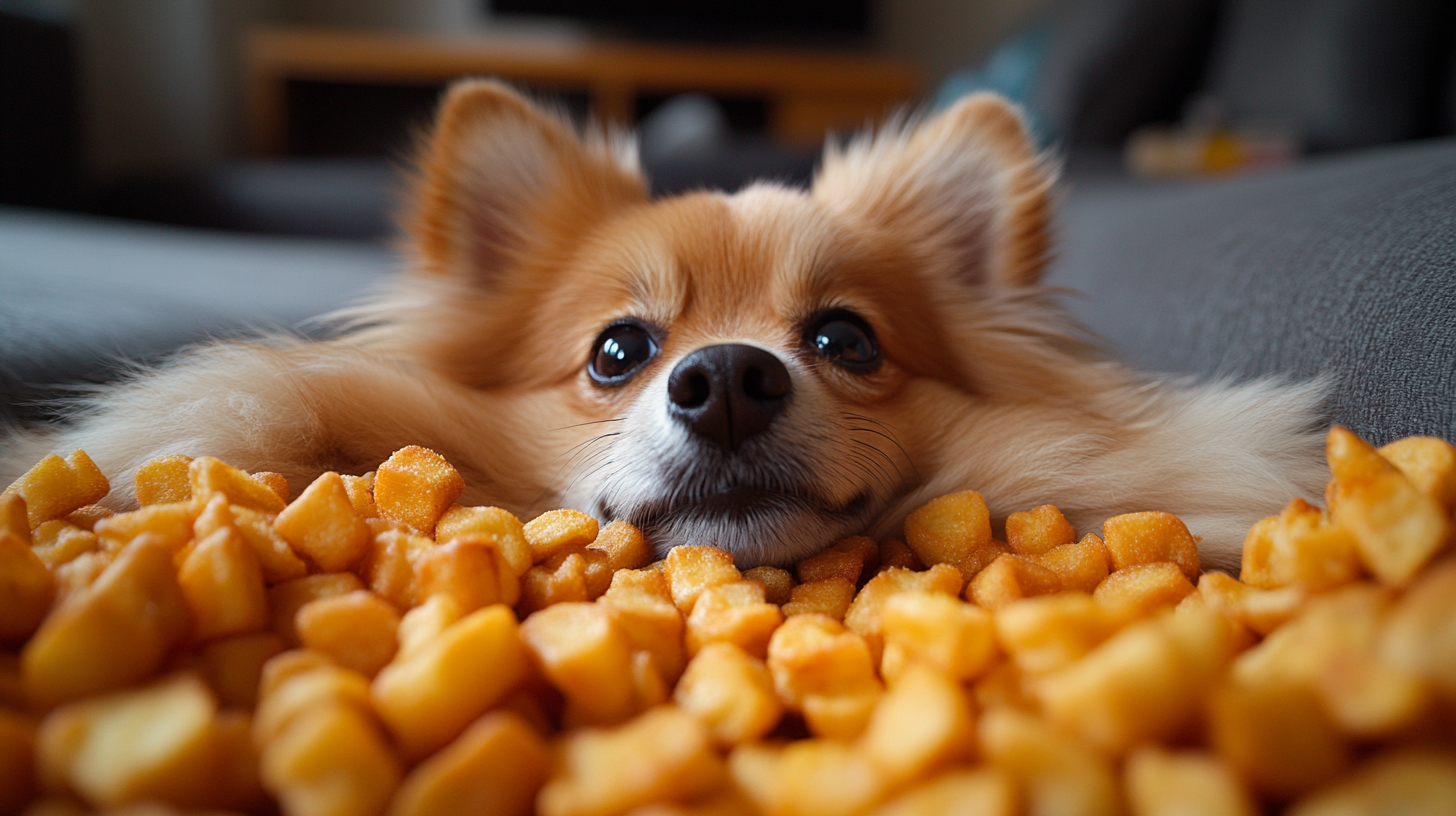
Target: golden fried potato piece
x=209, y=476
x=115, y=633
x=361, y=494
x=1011, y=578
x=1165, y=783
x=275, y=556
x=1430, y=464
x=734, y=613
x=587, y=657
x=938, y=631
x=778, y=584
x=1056, y=775
x=330, y=761
x=1081, y=565
x=495, y=767
x=851, y=558
x=358, y=630
x=1137, y=592
x=865, y=614
x=731, y=692
x=559, y=579
x=493, y=523
x=171, y=524
x=982, y=791
x=276, y=482
x=223, y=584
x=17, y=761
x=1038, y=530
x=1299, y=547
x=321, y=525
x=641, y=605
x=294, y=685
x=284, y=600
x=829, y=596
x=922, y=724
x=690, y=570
x=1420, y=634
x=954, y=529
x=471, y=569
x=233, y=666
x=559, y=531
x=663, y=755
x=389, y=566
x=625, y=546
x=1134, y=539
x=824, y=671
x=416, y=486
x=821, y=777
x=1277, y=736
x=56, y=486
x=27, y=587
x=163, y=480
x=1401, y=780
x=896, y=553
x=60, y=542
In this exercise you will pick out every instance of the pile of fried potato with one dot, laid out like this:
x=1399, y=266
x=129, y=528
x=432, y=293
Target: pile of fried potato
x=373, y=647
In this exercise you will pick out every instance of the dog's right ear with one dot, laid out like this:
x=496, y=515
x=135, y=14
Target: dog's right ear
x=499, y=176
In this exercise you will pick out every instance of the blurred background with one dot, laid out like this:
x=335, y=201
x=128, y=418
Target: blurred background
x=172, y=170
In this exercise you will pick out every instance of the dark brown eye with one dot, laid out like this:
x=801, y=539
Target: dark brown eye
x=620, y=350
x=845, y=339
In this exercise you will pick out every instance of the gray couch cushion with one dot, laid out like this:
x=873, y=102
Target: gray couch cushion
x=1343, y=266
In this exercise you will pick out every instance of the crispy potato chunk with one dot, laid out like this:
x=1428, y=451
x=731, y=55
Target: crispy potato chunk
x=690, y=570
x=1430, y=464
x=15, y=519
x=734, y=613
x=938, y=631
x=233, y=666
x=389, y=566
x=1134, y=539
x=163, y=480
x=361, y=494
x=829, y=596
x=1299, y=547
x=495, y=767
x=824, y=671
x=115, y=633
x=663, y=755
x=1163, y=783
x=209, y=476
x=1053, y=631
x=492, y=523
x=284, y=600
x=731, y=692
x=850, y=558
x=56, y=486
x=642, y=607
x=276, y=482
x=1277, y=736
x=416, y=486
x=1407, y=781
x=172, y=524
x=309, y=685
x=322, y=525
x=26, y=587
x=920, y=725
x=822, y=778
x=559, y=579
x=865, y=615
x=224, y=588
x=1010, y=578
x=625, y=546
x=1036, y=531
x=896, y=553
x=983, y=792
x=17, y=761
x=358, y=630
x=1397, y=527
x=1080, y=566
x=587, y=657
x=275, y=556
x=471, y=569
x=60, y=542
x=1057, y=776
x=778, y=584
x=955, y=530
x=1420, y=633
x=330, y=761
x=559, y=530
x=429, y=697
x=1137, y=592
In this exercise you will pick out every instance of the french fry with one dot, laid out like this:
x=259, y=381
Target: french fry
x=471, y=569
x=1411, y=780
x=1080, y=566
x=284, y=600
x=922, y=724
x=209, y=476
x=223, y=585
x=492, y=523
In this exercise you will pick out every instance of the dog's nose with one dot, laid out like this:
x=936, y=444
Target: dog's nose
x=728, y=393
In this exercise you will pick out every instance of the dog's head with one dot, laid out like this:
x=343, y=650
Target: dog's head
x=761, y=371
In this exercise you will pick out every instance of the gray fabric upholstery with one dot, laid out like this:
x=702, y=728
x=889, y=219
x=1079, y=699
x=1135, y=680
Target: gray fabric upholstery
x=1344, y=266
x=79, y=294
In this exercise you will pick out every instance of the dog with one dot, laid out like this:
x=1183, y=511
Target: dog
x=767, y=371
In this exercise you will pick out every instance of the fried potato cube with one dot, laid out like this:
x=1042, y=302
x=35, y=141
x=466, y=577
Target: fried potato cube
x=559, y=530
x=1300, y=547
x=361, y=494
x=275, y=556
x=1261, y=610
x=234, y=666
x=284, y=600
x=1191, y=783
x=86, y=517
x=938, y=631
x=1397, y=527
x=495, y=767
x=1277, y=736
x=492, y=523
x=26, y=587
x=778, y=585
x=896, y=553
x=1081, y=565
x=1056, y=776
x=330, y=761
x=224, y=588
x=625, y=546
x=559, y=579
x=1135, y=539
x=983, y=792
x=865, y=614
x=425, y=622
x=163, y=480
x=389, y=567
x=113, y=634
x=825, y=671
x=60, y=542
x=322, y=525
x=690, y=570
x=731, y=692
x=596, y=572
x=276, y=482
x=734, y=613
x=416, y=486
x=15, y=519
x=169, y=523
x=850, y=558
x=1430, y=464
x=648, y=687
x=829, y=596
x=357, y=630
x=1400, y=780
x=1011, y=578
x=663, y=755
x=209, y=476
x=428, y=698
x=56, y=486
x=471, y=569
x=919, y=726
x=823, y=778
x=17, y=761
x=1138, y=592
x=152, y=743
x=309, y=687
x=236, y=786
x=587, y=657
x=77, y=575
x=1420, y=634
x=949, y=528
x=649, y=620
x=1038, y=530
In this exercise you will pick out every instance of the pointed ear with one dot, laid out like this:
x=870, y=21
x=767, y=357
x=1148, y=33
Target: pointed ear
x=500, y=176
x=965, y=189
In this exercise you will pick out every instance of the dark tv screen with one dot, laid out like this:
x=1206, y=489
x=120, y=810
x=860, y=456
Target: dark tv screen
x=709, y=19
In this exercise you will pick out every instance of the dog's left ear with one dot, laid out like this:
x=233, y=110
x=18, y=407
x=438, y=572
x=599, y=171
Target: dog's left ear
x=965, y=189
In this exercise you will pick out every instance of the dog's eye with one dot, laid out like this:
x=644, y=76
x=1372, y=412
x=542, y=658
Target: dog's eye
x=846, y=340
x=620, y=351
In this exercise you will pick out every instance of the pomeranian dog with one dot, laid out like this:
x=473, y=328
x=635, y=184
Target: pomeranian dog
x=766, y=371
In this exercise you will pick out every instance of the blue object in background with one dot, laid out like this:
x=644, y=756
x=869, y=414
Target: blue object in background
x=1011, y=71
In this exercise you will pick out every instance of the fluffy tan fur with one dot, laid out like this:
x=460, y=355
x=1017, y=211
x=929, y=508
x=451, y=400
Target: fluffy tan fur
x=528, y=240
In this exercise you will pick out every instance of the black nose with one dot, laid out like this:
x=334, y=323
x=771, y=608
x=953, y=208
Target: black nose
x=728, y=393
